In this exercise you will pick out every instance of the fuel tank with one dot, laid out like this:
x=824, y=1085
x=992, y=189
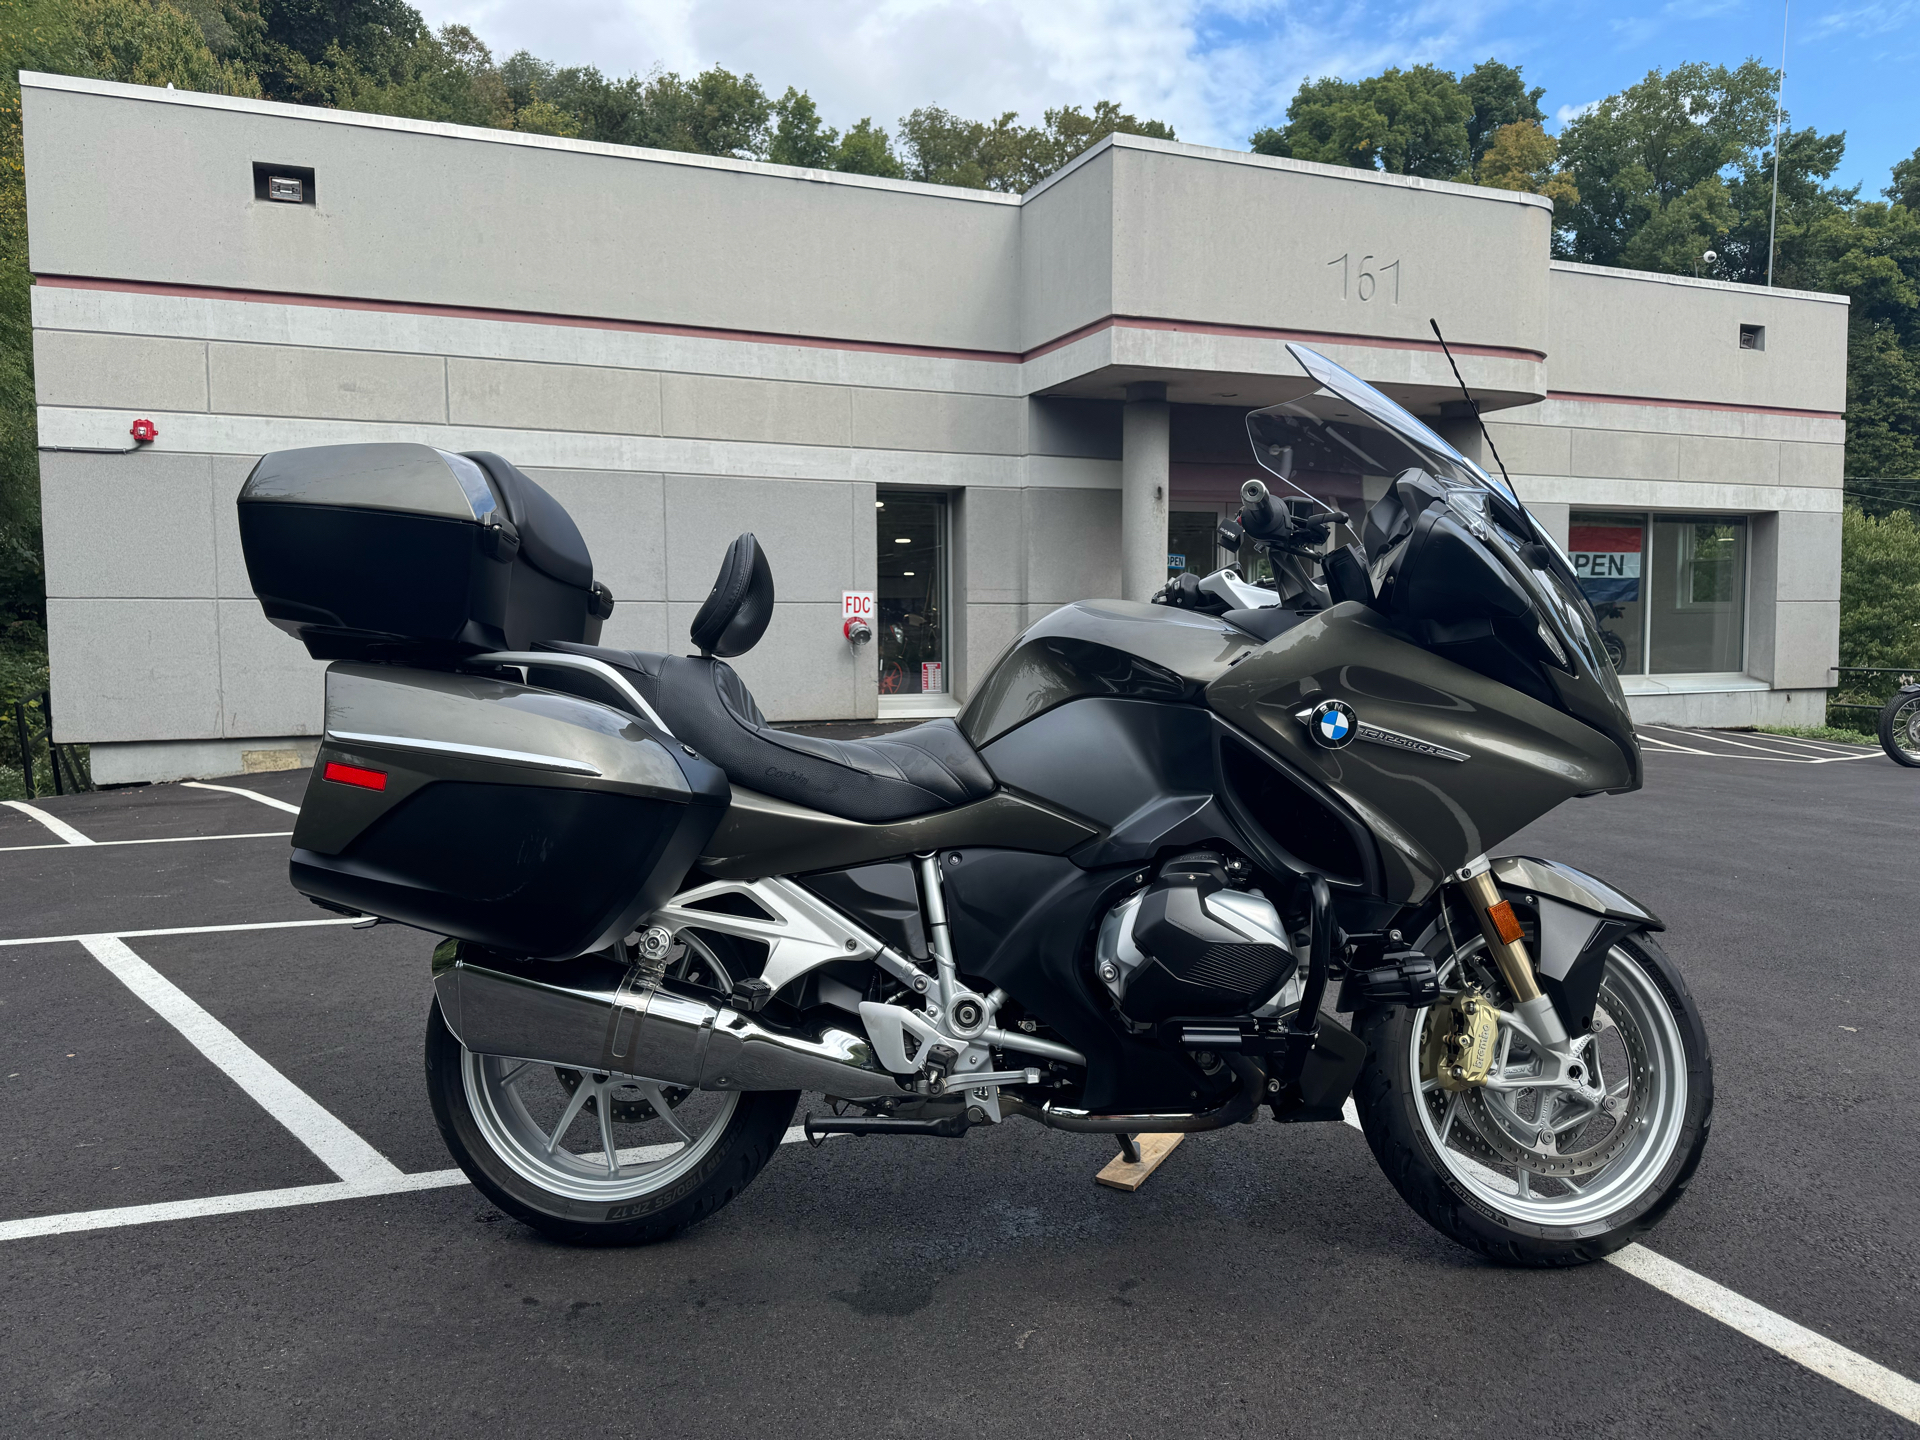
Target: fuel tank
x=1119, y=648
x=1441, y=763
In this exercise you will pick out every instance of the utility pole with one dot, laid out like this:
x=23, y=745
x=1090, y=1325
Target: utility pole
x=1780, y=85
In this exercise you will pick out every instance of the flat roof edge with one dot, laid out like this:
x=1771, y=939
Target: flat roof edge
x=150, y=94
x=1283, y=162
x=1695, y=282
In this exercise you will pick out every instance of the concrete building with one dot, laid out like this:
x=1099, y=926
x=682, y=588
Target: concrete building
x=978, y=405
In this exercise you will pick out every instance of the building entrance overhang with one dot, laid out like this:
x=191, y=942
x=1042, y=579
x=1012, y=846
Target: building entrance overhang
x=1210, y=366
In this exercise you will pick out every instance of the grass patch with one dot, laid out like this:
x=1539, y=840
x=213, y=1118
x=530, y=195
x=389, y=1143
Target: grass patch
x=1819, y=733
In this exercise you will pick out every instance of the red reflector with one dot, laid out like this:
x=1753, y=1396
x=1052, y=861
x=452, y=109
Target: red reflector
x=1505, y=925
x=355, y=776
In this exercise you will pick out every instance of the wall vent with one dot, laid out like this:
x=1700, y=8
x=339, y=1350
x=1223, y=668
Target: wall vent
x=283, y=184
x=1754, y=337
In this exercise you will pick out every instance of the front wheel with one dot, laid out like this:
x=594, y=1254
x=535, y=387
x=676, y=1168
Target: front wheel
x=1900, y=727
x=1545, y=1164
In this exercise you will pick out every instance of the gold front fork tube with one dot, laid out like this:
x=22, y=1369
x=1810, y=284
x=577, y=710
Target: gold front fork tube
x=1502, y=930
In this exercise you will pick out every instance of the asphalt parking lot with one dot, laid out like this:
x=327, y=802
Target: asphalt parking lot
x=1266, y=1281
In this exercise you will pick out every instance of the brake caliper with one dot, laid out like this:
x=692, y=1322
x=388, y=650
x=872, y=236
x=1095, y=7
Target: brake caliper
x=1457, y=1048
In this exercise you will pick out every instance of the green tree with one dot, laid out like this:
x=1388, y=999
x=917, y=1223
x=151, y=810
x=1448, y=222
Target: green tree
x=799, y=137
x=1500, y=98
x=1521, y=157
x=1663, y=142
x=866, y=150
x=1880, y=563
x=944, y=149
x=715, y=113
x=1407, y=122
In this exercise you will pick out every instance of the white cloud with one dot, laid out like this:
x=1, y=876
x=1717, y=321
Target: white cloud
x=1213, y=69
x=1574, y=112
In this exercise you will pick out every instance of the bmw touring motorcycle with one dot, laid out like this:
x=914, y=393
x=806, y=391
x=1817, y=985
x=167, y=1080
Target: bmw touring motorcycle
x=1132, y=890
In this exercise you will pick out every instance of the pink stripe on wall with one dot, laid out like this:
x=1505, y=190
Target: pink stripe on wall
x=1692, y=404
x=998, y=357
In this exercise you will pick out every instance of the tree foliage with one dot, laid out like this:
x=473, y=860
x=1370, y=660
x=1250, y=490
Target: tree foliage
x=1880, y=600
x=1420, y=121
x=943, y=149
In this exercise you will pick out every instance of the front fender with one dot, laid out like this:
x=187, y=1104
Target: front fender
x=1577, y=920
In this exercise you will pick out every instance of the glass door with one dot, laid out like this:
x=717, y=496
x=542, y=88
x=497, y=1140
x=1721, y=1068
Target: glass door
x=911, y=604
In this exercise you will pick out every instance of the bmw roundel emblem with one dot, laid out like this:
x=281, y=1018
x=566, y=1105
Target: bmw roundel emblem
x=1333, y=724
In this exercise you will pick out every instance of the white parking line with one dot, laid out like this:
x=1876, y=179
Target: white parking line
x=1868, y=1379
x=1770, y=748
x=343, y=1152
x=1858, y=1374
x=223, y=1205
x=145, y=840
x=59, y=827
x=187, y=931
x=117, y=1216
x=250, y=795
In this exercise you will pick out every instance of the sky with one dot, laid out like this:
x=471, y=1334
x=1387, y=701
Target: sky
x=1217, y=70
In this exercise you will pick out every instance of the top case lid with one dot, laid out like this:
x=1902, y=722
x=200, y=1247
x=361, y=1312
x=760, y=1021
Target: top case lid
x=417, y=479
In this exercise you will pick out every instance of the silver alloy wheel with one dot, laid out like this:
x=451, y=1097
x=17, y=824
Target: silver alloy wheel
x=596, y=1136
x=1567, y=1155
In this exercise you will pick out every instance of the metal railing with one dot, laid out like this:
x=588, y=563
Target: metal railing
x=1906, y=672
x=68, y=774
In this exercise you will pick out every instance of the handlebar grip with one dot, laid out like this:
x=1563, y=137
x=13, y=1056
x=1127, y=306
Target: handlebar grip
x=1257, y=506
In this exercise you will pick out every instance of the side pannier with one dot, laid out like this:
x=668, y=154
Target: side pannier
x=529, y=821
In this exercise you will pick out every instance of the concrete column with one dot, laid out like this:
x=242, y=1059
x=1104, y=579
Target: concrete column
x=1144, y=483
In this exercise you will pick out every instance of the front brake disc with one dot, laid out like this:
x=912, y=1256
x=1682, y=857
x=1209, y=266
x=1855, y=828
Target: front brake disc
x=1498, y=1132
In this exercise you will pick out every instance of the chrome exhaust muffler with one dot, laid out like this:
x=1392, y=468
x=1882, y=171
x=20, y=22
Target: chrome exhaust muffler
x=598, y=1015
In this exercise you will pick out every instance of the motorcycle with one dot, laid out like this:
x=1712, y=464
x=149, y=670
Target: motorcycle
x=1134, y=888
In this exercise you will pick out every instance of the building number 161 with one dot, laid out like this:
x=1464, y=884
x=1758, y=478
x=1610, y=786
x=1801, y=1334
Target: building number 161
x=1369, y=278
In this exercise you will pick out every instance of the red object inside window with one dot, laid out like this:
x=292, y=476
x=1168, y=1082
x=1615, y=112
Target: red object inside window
x=355, y=776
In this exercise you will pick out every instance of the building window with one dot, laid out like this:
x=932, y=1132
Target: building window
x=911, y=528
x=1754, y=337
x=1606, y=548
x=1670, y=592
x=1191, y=544
x=1699, y=594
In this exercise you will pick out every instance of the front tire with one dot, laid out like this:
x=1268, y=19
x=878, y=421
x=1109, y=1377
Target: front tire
x=649, y=1192
x=1489, y=1191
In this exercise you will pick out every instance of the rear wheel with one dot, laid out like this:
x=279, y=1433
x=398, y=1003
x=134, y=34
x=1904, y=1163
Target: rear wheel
x=600, y=1158
x=1546, y=1165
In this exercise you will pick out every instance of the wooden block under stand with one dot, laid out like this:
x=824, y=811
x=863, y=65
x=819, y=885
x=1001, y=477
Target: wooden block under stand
x=1125, y=1175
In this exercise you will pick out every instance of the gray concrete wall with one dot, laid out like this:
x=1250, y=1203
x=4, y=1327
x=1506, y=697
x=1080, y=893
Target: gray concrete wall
x=1627, y=333
x=1237, y=239
x=451, y=216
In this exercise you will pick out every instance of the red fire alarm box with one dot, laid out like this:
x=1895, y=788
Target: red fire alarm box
x=145, y=432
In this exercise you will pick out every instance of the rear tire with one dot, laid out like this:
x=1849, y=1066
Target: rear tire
x=1445, y=1193
x=750, y=1136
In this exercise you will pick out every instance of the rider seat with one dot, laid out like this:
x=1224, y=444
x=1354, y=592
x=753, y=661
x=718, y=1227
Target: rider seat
x=917, y=771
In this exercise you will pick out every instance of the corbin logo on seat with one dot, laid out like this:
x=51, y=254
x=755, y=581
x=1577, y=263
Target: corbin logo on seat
x=1333, y=724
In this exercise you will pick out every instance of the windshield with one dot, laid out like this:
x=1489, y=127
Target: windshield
x=1348, y=428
